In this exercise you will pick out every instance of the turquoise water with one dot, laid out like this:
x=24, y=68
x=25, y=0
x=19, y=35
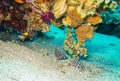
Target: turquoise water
x=105, y=51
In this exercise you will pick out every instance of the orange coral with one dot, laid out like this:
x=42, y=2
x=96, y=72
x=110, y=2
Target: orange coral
x=41, y=1
x=20, y=1
x=47, y=2
x=94, y=20
x=67, y=21
x=74, y=16
x=84, y=32
x=90, y=4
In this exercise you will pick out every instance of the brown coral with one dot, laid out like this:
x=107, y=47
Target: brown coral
x=74, y=16
x=73, y=46
x=95, y=19
x=35, y=22
x=84, y=32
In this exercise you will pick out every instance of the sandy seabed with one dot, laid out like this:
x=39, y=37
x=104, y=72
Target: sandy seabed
x=35, y=61
x=18, y=63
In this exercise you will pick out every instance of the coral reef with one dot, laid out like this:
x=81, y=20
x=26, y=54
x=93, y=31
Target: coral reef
x=82, y=16
x=25, y=16
x=72, y=45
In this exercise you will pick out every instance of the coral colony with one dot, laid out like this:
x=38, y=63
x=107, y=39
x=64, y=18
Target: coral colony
x=79, y=17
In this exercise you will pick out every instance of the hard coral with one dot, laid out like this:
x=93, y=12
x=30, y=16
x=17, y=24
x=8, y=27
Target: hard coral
x=24, y=17
x=19, y=25
x=34, y=22
x=14, y=18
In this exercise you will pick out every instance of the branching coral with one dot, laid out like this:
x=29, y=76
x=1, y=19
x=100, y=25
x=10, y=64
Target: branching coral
x=72, y=45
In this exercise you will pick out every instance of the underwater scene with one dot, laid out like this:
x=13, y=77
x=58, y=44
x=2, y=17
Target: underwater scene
x=59, y=40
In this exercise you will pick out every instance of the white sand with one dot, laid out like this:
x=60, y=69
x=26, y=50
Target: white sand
x=18, y=63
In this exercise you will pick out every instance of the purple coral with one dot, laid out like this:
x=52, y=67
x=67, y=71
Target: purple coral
x=47, y=17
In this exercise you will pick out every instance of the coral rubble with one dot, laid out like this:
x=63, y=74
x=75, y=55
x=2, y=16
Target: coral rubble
x=82, y=16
